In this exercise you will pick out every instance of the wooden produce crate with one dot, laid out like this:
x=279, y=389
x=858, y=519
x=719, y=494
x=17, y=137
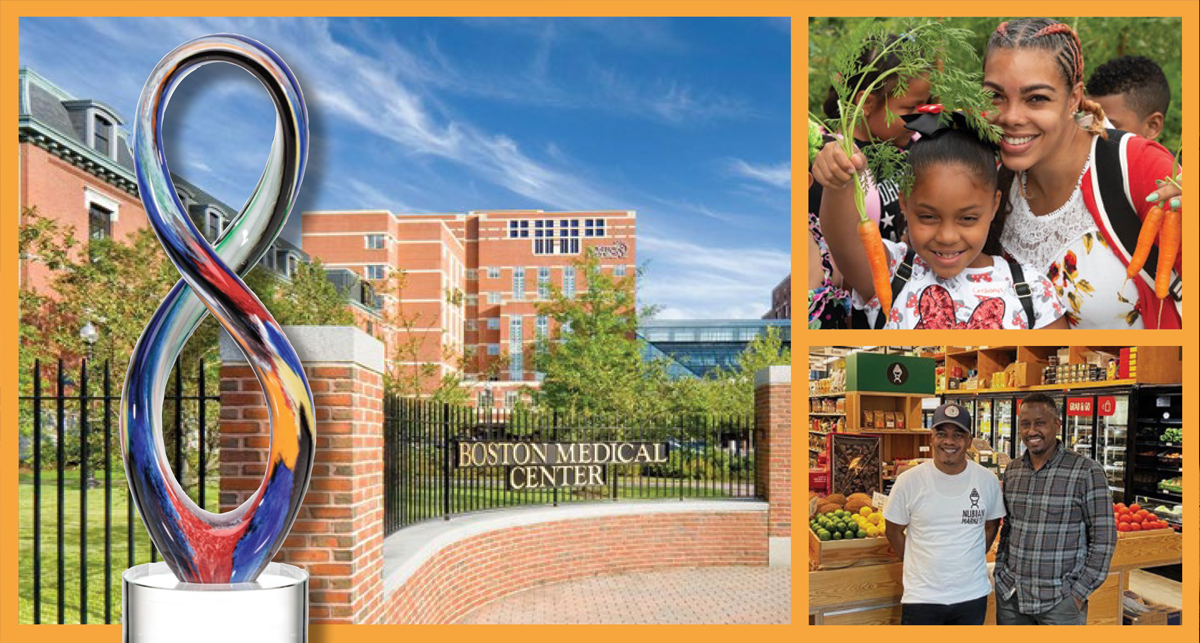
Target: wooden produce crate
x=838, y=554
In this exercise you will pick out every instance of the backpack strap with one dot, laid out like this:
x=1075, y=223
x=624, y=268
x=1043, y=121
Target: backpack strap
x=1113, y=201
x=1024, y=293
x=899, y=280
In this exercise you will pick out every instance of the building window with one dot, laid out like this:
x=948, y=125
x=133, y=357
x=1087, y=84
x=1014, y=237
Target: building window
x=516, y=366
x=569, y=282
x=471, y=324
x=376, y=271
x=215, y=224
x=516, y=330
x=543, y=282
x=518, y=229
x=493, y=349
x=375, y=242
x=472, y=300
x=293, y=264
x=518, y=283
x=493, y=298
x=493, y=323
x=593, y=228
x=510, y=399
x=619, y=271
x=493, y=273
x=472, y=274
x=99, y=222
x=541, y=327
x=486, y=400
x=102, y=133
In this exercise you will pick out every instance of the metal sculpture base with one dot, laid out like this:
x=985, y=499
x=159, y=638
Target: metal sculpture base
x=157, y=607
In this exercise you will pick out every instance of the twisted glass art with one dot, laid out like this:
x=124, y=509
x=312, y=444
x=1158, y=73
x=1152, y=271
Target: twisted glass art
x=200, y=546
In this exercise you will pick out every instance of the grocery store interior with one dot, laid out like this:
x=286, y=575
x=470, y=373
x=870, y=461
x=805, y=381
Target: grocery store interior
x=869, y=415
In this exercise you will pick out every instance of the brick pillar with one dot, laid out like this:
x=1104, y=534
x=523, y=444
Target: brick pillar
x=338, y=534
x=773, y=456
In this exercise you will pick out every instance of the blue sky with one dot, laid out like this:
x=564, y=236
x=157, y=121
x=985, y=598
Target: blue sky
x=685, y=121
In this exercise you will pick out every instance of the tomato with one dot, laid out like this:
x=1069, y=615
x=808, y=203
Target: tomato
x=1124, y=518
x=1135, y=508
x=1123, y=527
x=1135, y=526
x=1120, y=506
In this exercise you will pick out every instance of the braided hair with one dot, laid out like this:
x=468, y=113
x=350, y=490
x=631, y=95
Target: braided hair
x=1059, y=39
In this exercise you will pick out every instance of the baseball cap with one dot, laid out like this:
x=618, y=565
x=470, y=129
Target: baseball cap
x=951, y=413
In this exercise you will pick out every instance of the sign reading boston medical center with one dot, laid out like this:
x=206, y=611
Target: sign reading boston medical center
x=538, y=465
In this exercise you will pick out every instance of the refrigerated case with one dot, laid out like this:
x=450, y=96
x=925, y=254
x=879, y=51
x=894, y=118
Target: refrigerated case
x=1096, y=425
x=1154, y=457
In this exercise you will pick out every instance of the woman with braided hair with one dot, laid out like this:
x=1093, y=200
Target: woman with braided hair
x=1080, y=191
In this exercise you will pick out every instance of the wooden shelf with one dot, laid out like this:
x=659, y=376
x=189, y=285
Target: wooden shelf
x=826, y=415
x=1045, y=387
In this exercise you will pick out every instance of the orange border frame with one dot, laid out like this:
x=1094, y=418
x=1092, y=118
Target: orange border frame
x=12, y=10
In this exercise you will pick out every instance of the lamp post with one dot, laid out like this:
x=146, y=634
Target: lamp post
x=89, y=334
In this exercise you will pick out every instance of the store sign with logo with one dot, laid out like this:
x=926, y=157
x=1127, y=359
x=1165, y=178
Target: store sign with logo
x=1104, y=406
x=548, y=465
x=897, y=373
x=617, y=250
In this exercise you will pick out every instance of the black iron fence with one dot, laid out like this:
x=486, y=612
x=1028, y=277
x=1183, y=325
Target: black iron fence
x=699, y=456
x=77, y=529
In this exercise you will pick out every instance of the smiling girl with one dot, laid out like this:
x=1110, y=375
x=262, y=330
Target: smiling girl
x=1071, y=218
x=948, y=274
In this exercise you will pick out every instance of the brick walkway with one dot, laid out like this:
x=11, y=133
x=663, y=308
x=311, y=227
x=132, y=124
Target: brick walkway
x=700, y=596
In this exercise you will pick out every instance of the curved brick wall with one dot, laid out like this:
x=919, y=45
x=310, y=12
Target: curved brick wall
x=482, y=567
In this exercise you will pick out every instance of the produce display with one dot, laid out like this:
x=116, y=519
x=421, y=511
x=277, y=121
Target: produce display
x=1174, y=485
x=1172, y=435
x=846, y=518
x=1134, y=518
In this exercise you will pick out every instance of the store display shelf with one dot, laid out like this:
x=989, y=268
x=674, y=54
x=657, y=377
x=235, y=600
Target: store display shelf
x=897, y=431
x=827, y=395
x=1168, y=422
x=1075, y=386
x=826, y=415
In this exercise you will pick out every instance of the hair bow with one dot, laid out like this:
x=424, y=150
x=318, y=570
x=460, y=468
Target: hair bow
x=931, y=120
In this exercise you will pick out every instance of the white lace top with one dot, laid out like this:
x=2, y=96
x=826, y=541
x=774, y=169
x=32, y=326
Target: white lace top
x=1066, y=246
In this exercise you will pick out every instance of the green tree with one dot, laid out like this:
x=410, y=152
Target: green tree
x=593, y=362
x=117, y=285
x=1159, y=39
x=308, y=299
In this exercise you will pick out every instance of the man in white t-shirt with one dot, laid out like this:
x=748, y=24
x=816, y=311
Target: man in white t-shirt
x=942, y=517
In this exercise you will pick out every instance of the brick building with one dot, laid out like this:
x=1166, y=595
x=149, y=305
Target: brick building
x=471, y=283
x=76, y=167
x=781, y=300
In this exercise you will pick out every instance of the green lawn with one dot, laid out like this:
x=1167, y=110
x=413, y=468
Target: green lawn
x=71, y=551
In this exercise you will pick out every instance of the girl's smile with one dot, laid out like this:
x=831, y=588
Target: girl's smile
x=949, y=216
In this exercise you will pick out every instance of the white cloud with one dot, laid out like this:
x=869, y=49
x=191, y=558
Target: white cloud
x=691, y=280
x=778, y=175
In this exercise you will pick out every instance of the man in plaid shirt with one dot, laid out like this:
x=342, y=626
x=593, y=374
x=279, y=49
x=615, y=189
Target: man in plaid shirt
x=1059, y=536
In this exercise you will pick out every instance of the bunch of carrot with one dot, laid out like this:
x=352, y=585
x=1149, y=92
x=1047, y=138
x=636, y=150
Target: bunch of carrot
x=1167, y=227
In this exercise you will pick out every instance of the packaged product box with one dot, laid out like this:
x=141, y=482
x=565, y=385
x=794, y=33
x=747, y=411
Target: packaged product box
x=889, y=420
x=879, y=420
x=900, y=421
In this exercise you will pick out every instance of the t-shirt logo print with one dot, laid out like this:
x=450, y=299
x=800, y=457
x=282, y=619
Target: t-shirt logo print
x=936, y=310
x=974, y=498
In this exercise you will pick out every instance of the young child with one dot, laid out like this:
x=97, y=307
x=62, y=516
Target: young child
x=949, y=273
x=1134, y=94
x=883, y=201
